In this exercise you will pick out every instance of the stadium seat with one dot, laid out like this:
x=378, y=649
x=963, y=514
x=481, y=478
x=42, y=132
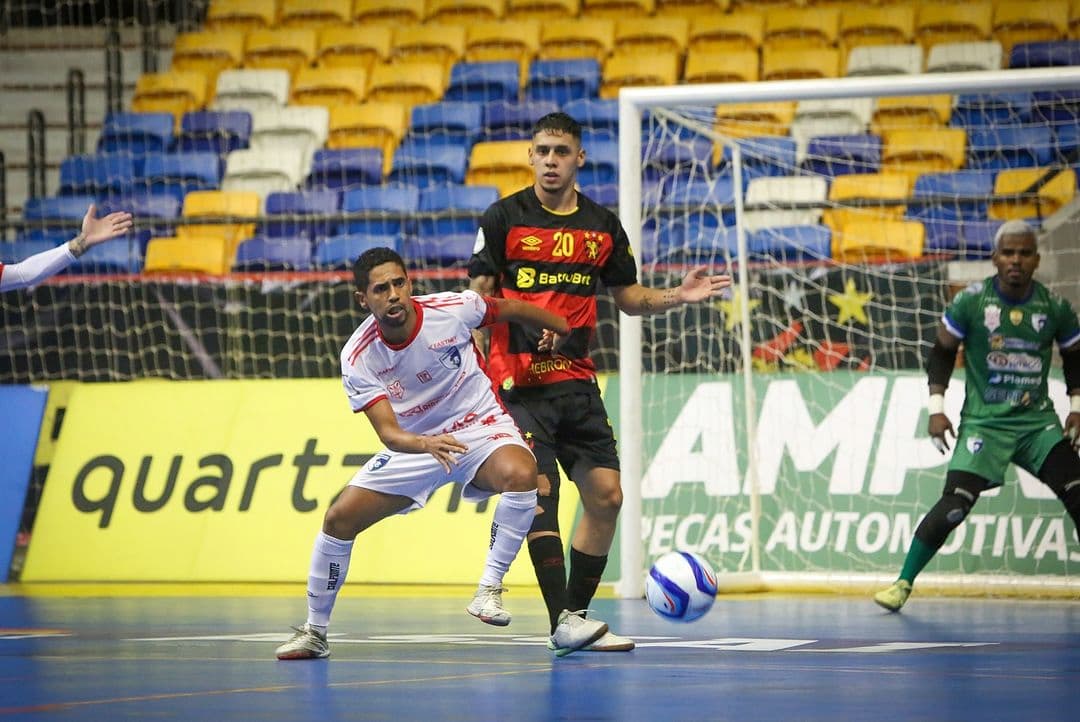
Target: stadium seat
x=354, y=47
x=174, y=92
x=963, y=57
x=857, y=191
x=235, y=205
x=441, y=44
x=1045, y=54
x=622, y=71
x=790, y=28
x=424, y=166
x=178, y=174
x=452, y=209
x=368, y=125
x=137, y=133
x=926, y=150
x=441, y=251
x=788, y=244
x=391, y=209
x=778, y=190
x=686, y=157
x=783, y=63
x=294, y=126
x=561, y=39
x=863, y=25
x=636, y=35
x=1058, y=188
x=1028, y=22
x=515, y=41
x=833, y=155
x=219, y=132
x=1067, y=142
x=22, y=248
x=616, y=9
x=337, y=169
x=954, y=196
x=144, y=206
x=464, y=12
x=911, y=111
x=710, y=199
x=718, y=33
x=691, y=9
x=563, y=81
x=747, y=120
x=102, y=174
x=1074, y=19
x=251, y=90
x=109, y=258
x=387, y=12
x=953, y=22
x=208, y=52
x=991, y=109
x=281, y=49
x=265, y=171
x=968, y=239
x=542, y=9
x=1010, y=146
x=407, y=83
x=598, y=115
x=483, y=82
x=1056, y=107
x=58, y=209
x=273, y=254
x=513, y=121
x=860, y=241
x=729, y=66
x=329, y=86
x=446, y=123
x=885, y=60
x=692, y=239
x=340, y=252
x=829, y=117
x=503, y=164
x=604, y=194
x=315, y=13
x=195, y=254
x=601, y=164
x=240, y=15
x=762, y=156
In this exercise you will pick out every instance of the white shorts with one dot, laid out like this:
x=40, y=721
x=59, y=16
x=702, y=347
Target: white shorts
x=418, y=476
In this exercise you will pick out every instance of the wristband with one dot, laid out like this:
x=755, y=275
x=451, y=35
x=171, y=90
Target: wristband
x=1074, y=404
x=936, y=404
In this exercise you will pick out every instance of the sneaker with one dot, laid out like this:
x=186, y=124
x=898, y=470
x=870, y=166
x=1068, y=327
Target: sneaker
x=894, y=596
x=610, y=642
x=574, y=631
x=487, y=606
x=307, y=643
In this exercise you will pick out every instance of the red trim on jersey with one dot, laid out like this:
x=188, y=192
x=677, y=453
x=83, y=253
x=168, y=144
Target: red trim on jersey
x=491, y=315
x=442, y=303
x=416, y=329
x=371, y=403
x=362, y=343
x=1, y=271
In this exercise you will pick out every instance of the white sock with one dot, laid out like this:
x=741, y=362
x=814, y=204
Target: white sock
x=513, y=517
x=329, y=564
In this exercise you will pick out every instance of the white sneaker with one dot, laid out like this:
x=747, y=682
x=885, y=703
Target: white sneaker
x=574, y=631
x=487, y=606
x=610, y=642
x=307, y=643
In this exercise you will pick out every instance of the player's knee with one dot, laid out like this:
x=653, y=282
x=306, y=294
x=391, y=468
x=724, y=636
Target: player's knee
x=338, y=524
x=519, y=477
x=958, y=503
x=605, y=502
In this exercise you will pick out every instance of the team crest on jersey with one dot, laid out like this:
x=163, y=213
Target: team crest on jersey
x=974, y=444
x=1038, y=321
x=378, y=462
x=1016, y=317
x=451, y=358
x=396, y=389
x=992, y=317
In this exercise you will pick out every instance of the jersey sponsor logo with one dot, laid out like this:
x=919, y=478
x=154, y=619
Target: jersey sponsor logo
x=423, y=377
x=385, y=372
x=997, y=342
x=1038, y=321
x=396, y=389
x=500, y=435
x=443, y=344
x=575, y=278
x=539, y=368
x=1014, y=380
x=378, y=461
x=531, y=244
x=992, y=317
x=526, y=278
x=974, y=444
x=998, y=395
x=1001, y=361
x=451, y=358
x=421, y=408
x=1016, y=317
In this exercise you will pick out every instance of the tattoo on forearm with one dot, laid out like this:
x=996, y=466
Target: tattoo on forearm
x=77, y=245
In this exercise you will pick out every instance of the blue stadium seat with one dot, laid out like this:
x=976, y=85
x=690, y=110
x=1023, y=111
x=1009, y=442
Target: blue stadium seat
x=599, y=115
x=791, y=243
x=20, y=250
x=444, y=251
x=1067, y=142
x=446, y=123
x=308, y=205
x=1056, y=106
x=101, y=174
x=483, y=82
x=426, y=166
x=392, y=209
x=966, y=239
x=145, y=206
x=1045, y=54
x=284, y=253
x=605, y=194
x=975, y=186
x=57, y=208
x=562, y=81
x=601, y=164
x=834, y=155
x=713, y=199
x=767, y=155
x=702, y=242
x=116, y=256
x=179, y=173
x=136, y=133
x=689, y=157
x=215, y=132
x=977, y=109
x=340, y=252
x=453, y=209
x=504, y=120
x=345, y=168
x=1009, y=146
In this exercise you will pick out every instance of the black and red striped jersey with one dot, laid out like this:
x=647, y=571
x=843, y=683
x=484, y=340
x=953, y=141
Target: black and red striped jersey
x=553, y=260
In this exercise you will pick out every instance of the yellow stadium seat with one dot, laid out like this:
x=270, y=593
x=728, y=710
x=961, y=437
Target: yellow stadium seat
x=209, y=53
x=691, y=8
x=730, y=66
x=197, y=254
x=861, y=241
x=1074, y=19
x=175, y=92
x=407, y=83
x=287, y=50
x=911, y=111
x=443, y=44
x=503, y=164
x=801, y=28
x=926, y=150
x=1028, y=22
x=315, y=13
x=388, y=12
x=328, y=86
x=575, y=39
x=464, y=11
x=747, y=120
x=616, y=9
x=242, y=15
x=882, y=25
x=354, y=47
x=866, y=186
x=369, y=125
x=1048, y=199
x=953, y=22
x=651, y=35
x=238, y=204
x=798, y=63
x=517, y=40
x=717, y=33
x=542, y=9
x=625, y=70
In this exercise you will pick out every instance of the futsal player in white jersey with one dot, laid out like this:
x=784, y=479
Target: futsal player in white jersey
x=412, y=368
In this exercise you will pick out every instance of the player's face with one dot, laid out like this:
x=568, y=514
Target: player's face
x=1016, y=259
x=387, y=297
x=555, y=158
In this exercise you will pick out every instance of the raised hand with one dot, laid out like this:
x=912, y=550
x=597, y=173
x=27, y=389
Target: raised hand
x=698, y=285
x=97, y=230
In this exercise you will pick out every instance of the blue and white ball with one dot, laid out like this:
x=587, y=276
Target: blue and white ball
x=681, y=586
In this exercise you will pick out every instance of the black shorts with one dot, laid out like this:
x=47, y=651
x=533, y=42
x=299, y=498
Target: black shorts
x=568, y=425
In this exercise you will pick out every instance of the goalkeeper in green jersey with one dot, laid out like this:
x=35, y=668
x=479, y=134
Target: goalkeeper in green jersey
x=1007, y=324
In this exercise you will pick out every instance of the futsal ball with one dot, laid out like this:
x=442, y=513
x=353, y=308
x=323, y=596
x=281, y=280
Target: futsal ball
x=681, y=586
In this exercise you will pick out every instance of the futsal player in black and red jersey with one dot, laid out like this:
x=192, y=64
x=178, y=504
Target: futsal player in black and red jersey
x=551, y=246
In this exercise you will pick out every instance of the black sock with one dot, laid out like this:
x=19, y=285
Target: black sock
x=585, y=573
x=547, y=558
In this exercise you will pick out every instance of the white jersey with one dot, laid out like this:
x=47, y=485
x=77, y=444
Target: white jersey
x=434, y=380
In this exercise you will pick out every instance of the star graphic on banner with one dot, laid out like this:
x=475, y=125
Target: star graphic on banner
x=794, y=296
x=851, y=303
x=733, y=311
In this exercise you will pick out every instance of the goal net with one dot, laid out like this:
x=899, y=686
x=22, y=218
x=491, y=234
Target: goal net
x=780, y=431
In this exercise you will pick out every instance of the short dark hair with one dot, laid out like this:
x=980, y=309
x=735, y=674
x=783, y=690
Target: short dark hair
x=371, y=258
x=559, y=122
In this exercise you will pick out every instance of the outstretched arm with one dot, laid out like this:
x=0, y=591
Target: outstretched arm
x=697, y=285
x=511, y=309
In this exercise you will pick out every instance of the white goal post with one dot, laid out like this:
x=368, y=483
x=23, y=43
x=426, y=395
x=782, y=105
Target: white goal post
x=637, y=419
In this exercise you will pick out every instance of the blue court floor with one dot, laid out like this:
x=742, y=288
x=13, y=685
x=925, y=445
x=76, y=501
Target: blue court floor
x=402, y=658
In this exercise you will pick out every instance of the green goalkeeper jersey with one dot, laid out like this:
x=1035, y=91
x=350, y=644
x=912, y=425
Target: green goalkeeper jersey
x=1007, y=348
